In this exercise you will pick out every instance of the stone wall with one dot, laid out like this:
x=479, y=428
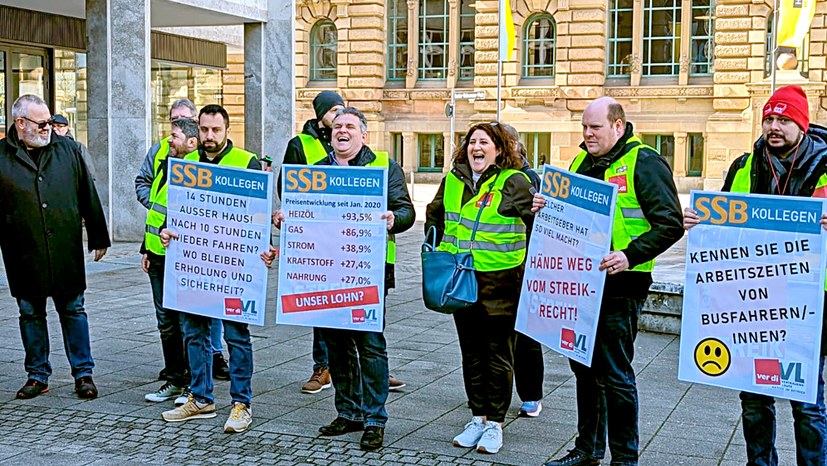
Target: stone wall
x=721, y=106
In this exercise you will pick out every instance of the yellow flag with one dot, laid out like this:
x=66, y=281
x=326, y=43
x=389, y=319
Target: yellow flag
x=508, y=36
x=794, y=18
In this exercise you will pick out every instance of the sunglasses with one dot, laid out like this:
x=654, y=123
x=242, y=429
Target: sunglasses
x=41, y=124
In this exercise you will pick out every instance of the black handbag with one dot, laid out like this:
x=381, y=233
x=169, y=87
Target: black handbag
x=448, y=280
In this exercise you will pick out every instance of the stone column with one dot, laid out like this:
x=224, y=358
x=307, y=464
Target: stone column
x=413, y=44
x=581, y=53
x=411, y=151
x=269, y=81
x=119, y=106
x=447, y=152
x=453, y=43
x=680, y=155
x=637, y=44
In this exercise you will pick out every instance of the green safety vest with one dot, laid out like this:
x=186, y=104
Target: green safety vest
x=157, y=213
x=314, y=151
x=629, y=221
x=382, y=160
x=742, y=183
x=500, y=242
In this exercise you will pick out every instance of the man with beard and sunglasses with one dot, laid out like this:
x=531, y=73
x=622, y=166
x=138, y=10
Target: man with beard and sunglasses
x=789, y=159
x=45, y=193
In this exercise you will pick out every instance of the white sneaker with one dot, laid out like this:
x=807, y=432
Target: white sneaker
x=472, y=433
x=183, y=397
x=190, y=410
x=240, y=418
x=492, y=438
x=166, y=392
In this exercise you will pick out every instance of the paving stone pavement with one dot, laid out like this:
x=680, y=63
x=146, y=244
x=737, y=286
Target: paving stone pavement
x=680, y=423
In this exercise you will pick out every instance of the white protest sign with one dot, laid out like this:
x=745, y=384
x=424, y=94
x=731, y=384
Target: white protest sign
x=222, y=217
x=562, y=287
x=332, y=249
x=754, y=294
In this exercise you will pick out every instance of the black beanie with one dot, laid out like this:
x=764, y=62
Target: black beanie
x=325, y=101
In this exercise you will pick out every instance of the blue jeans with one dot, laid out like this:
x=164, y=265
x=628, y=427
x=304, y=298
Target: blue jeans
x=35, y=336
x=169, y=326
x=809, y=422
x=319, y=350
x=215, y=336
x=607, y=401
x=360, y=381
x=197, y=339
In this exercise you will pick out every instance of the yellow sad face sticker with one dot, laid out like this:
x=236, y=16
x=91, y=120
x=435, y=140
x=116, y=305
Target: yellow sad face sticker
x=712, y=357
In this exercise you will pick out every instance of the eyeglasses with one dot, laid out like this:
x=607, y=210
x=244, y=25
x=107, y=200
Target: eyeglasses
x=41, y=124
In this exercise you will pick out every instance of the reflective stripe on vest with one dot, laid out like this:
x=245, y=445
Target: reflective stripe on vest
x=314, y=150
x=157, y=213
x=629, y=221
x=500, y=242
x=742, y=183
x=382, y=160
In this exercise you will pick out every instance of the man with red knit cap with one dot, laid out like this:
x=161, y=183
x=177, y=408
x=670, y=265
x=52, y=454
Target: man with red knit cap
x=789, y=159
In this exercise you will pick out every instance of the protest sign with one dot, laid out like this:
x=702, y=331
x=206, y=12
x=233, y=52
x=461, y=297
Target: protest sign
x=333, y=247
x=562, y=287
x=754, y=294
x=222, y=216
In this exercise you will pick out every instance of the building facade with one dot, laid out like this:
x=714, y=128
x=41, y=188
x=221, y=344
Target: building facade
x=113, y=67
x=692, y=75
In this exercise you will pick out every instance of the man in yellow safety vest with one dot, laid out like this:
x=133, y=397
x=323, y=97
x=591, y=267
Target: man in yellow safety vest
x=647, y=222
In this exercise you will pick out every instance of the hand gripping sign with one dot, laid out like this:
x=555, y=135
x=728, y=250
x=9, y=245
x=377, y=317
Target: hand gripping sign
x=222, y=217
x=562, y=287
x=333, y=246
x=754, y=294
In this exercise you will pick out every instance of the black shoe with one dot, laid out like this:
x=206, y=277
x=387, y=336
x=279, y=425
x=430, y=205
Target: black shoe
x=341, y=426
x=32, y=389
x=85, y=388
x=162, y=376
x=220, y=369
x=575, y=458
x=372, y=438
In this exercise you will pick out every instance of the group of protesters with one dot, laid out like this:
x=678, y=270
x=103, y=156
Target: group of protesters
x=47, y=193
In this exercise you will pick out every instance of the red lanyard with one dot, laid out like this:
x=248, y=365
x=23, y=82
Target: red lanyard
x=789, y=175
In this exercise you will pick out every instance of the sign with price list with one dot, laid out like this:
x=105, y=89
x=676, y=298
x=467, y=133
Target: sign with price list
x=333, y=247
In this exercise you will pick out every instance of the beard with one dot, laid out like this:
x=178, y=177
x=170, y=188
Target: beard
x=213, y=147
x=783, y=149
x=33, y=139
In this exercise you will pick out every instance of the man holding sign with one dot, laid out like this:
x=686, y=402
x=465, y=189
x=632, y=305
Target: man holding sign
x=361, y=385
x=217, y=149
x=647, y=221
x=789, y=159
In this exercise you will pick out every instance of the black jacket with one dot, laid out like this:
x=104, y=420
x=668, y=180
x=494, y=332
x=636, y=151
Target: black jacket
x=499, y=292
x=295, y=151
x=41, y=209
x=658, y=198
x=810, y=164
x=399, y=201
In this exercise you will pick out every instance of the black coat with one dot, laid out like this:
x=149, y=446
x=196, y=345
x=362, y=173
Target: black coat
x=41, y=208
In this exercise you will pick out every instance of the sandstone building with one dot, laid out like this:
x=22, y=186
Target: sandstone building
x=692, y=74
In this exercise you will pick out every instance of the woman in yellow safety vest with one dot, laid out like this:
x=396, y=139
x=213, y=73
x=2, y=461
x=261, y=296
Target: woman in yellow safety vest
x=486, y=175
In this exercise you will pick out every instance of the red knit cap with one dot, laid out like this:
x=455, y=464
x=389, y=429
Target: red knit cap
x=791, y=102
